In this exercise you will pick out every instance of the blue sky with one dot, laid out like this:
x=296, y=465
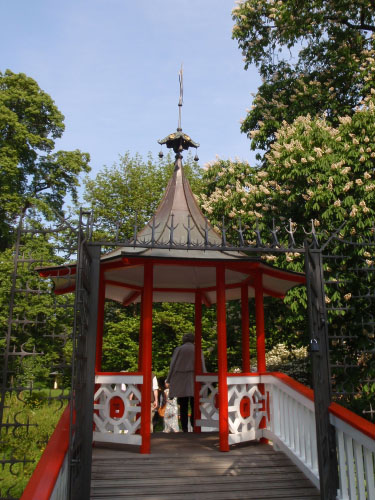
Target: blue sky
x=112, y=68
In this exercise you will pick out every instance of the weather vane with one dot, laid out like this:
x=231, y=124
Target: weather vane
x=178, y=141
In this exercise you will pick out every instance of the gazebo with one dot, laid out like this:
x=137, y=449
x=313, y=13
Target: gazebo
x=179, y=257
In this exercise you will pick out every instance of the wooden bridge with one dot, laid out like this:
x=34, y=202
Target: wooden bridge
x=190, y=466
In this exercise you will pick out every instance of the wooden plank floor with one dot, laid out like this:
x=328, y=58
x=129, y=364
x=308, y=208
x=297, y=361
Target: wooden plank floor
x=190, y=466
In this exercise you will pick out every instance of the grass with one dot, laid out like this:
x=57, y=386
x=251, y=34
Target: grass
x=36, y=416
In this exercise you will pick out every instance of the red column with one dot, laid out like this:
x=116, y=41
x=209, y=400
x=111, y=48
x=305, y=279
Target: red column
x=259, y=317
x=245, y=329
x=147, y=357
x=261, y=342
x=198, y=357
x=222, y=358
x=100, y=324
x=140, y=350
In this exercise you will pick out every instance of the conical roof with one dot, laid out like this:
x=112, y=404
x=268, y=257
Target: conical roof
x=178, y=224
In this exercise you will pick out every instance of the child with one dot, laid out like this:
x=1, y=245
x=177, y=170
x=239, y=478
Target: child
x=171, y=413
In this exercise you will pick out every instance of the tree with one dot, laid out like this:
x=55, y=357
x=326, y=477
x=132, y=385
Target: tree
x=324, y=173
x=42, y=322
x=310, y=56
x=31, y=172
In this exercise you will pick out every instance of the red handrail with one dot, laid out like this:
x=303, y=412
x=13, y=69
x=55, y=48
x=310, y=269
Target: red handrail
x=359, y=423
x=43, y=480
x=297, y=386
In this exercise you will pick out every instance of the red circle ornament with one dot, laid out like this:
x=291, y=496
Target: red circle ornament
x=116, y=407
x=245, y=407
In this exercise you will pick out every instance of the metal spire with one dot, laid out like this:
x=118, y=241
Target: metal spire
x=181, y=100
x=178, y=141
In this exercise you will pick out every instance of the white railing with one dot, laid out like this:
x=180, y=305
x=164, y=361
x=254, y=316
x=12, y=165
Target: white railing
x=117, y=408
x=287, y=410
x=356, y=455
x=291, y=427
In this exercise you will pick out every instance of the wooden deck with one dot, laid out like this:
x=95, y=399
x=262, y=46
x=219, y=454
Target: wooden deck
x=190, y=466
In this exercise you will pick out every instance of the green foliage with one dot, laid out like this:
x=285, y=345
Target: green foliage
x=310, y=57
x=314, y=172
x=35, y=399
x=43, y=320
x=39, y=413
x=31, y=173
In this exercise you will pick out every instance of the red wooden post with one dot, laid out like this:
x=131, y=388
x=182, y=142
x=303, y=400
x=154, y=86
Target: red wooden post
x=140, y=350
x=259, y=316
x=198, y=357
x=261, y=342
x=147, y=356
x=222, y=358
x=100, y=324
x=245, y=329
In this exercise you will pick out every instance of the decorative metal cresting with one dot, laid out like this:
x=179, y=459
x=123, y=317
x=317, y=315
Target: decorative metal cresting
x=283, y=237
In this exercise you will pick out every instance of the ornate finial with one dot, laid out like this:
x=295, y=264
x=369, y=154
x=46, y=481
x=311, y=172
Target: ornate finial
x=178, y=141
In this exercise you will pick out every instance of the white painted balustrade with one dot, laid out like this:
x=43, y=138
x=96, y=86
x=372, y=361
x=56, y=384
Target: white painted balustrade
x=117, y=408
x=291, y=426
x=275, y=407
x=356, y=456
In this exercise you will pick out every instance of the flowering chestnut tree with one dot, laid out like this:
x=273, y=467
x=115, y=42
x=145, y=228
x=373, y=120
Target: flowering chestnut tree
x=309, y=54
x=324, y=173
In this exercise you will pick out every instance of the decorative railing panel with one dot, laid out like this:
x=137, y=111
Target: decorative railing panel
x=266, y=406
x=209, y=420
x=246, y=409
x=117, y=408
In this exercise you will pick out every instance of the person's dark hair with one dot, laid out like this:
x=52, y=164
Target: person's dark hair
x=188, y=337
x=161, y=383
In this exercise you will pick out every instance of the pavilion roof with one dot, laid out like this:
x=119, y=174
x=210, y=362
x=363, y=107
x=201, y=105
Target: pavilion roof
x=183, y=263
